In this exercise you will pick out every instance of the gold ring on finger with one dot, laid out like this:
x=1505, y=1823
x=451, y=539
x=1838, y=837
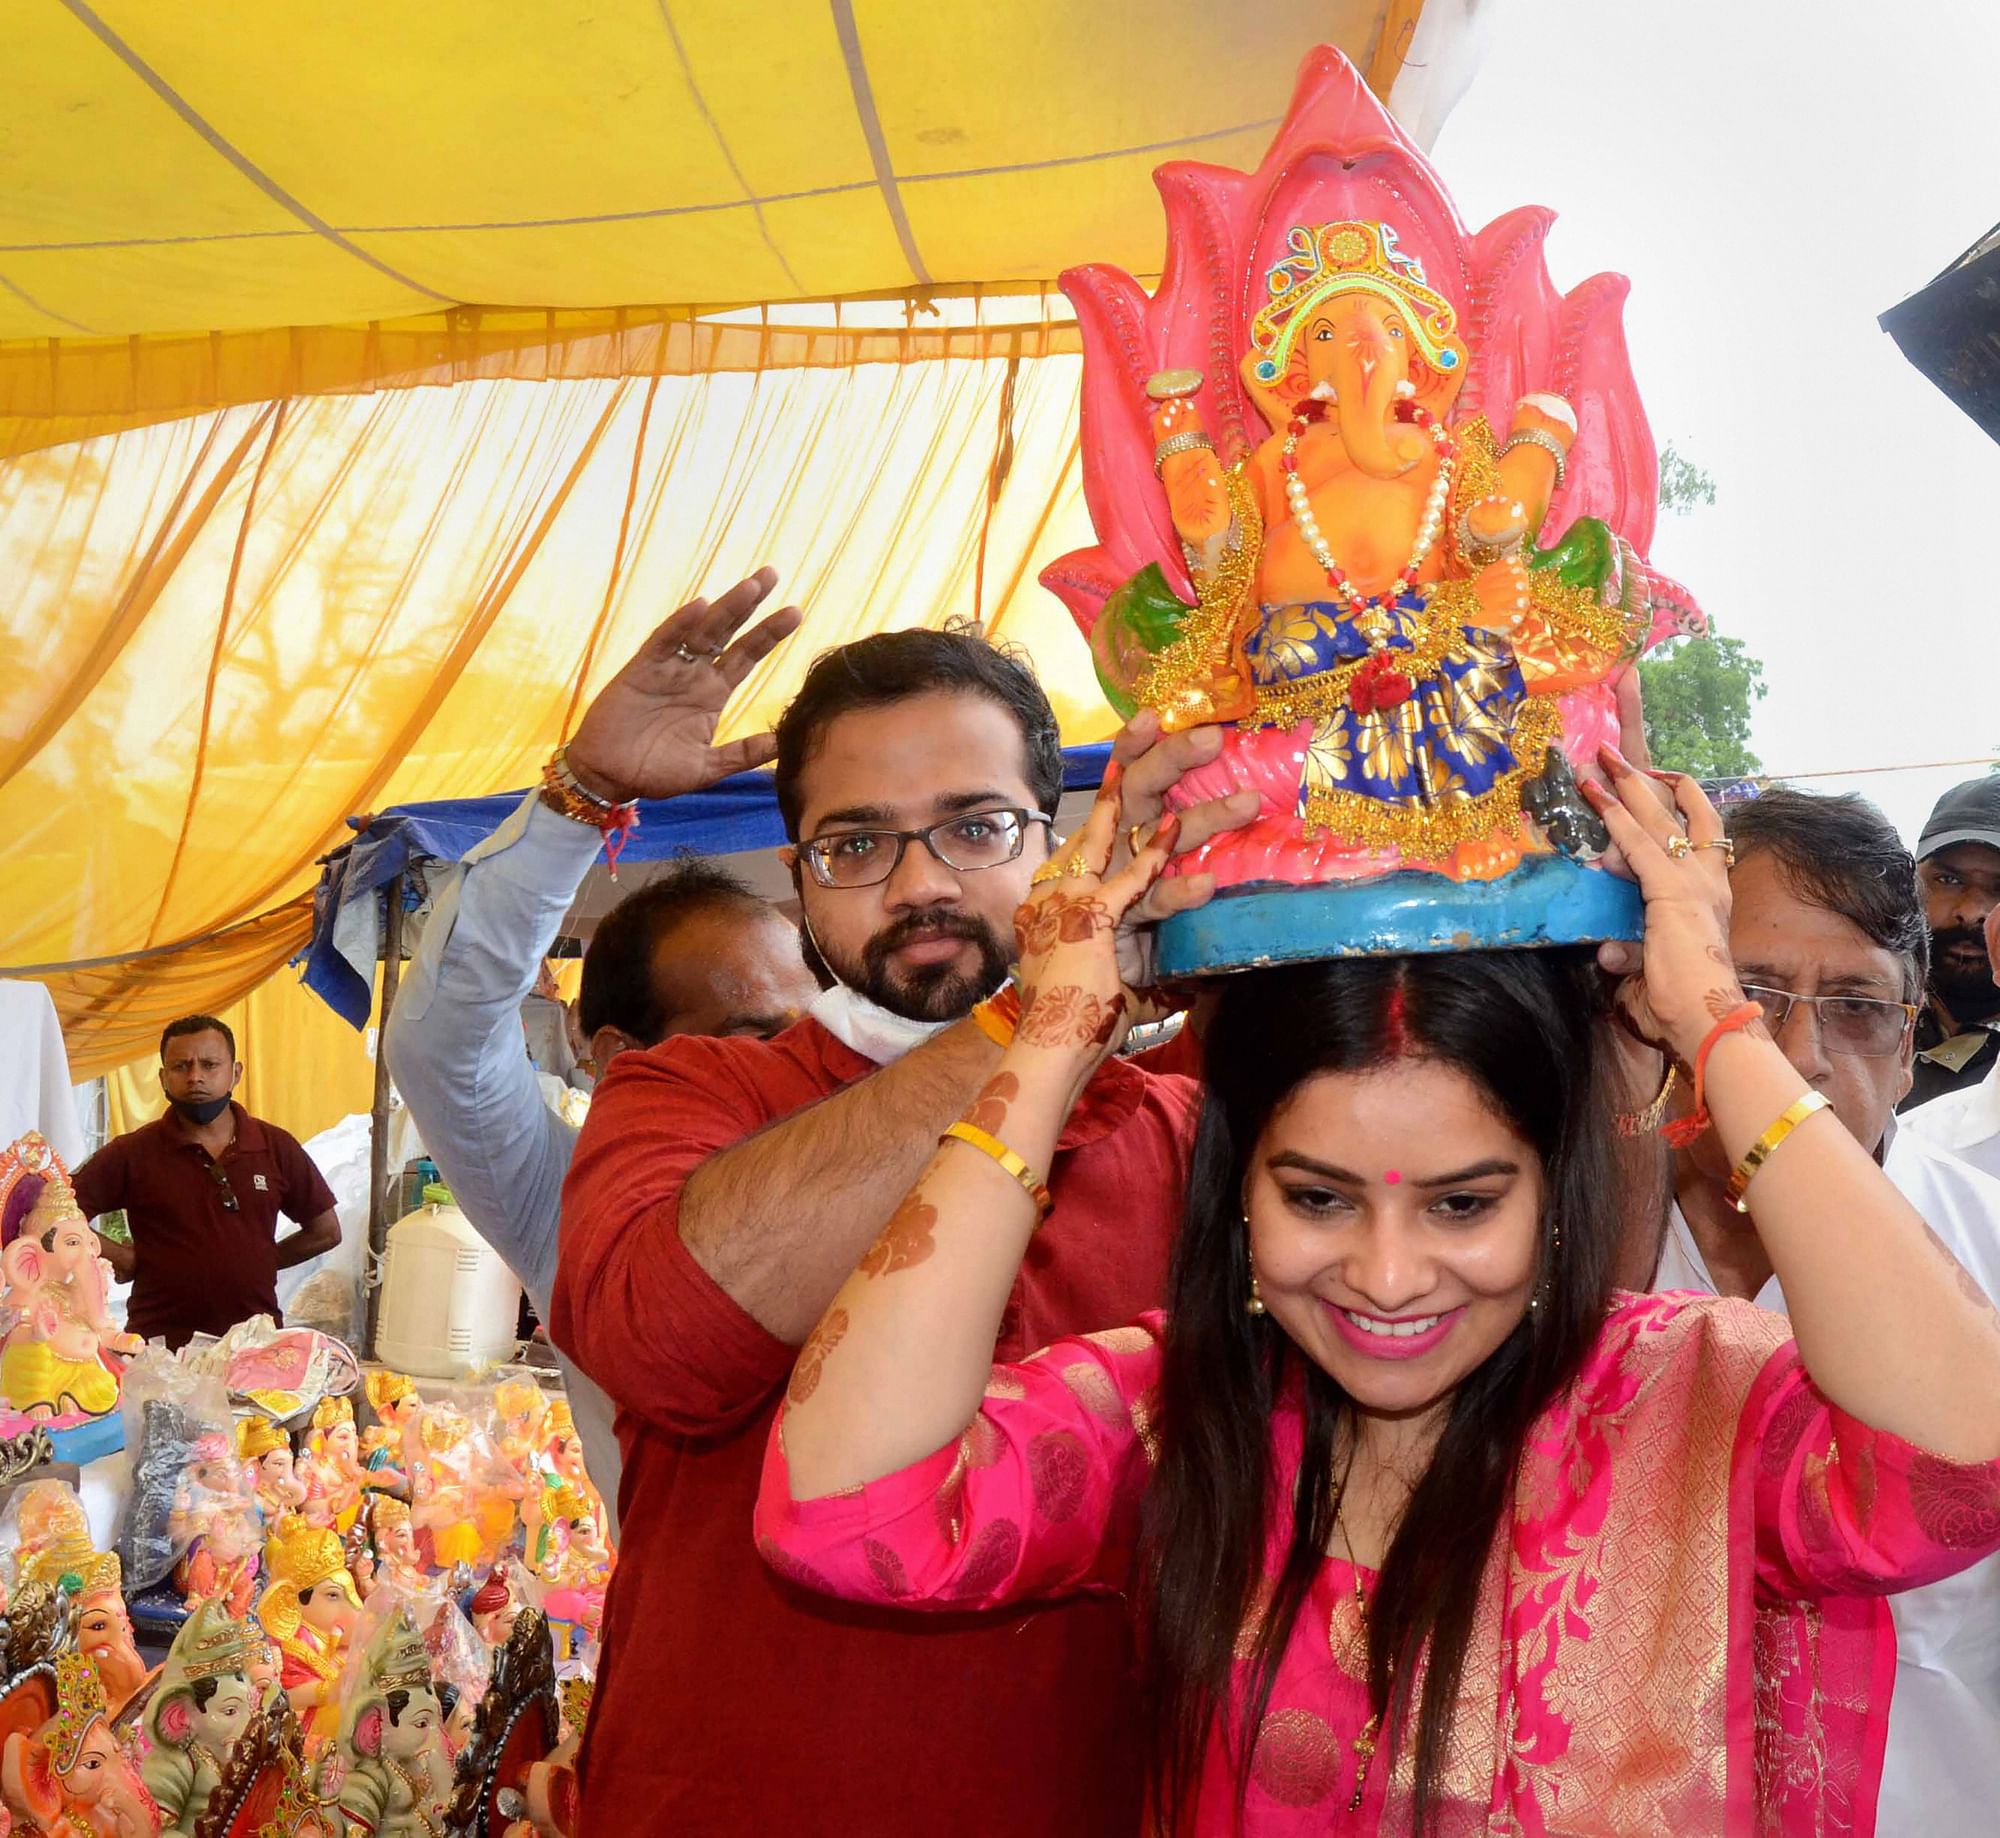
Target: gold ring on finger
x=1679, y=848
x=1132, y=841
x=1050, y=870
x=1076, y=865
x=1723, y=843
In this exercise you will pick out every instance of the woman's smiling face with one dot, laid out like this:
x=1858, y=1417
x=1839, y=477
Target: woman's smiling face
x=1394, y=1218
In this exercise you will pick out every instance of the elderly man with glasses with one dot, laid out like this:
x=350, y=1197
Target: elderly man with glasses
x=1827, y=929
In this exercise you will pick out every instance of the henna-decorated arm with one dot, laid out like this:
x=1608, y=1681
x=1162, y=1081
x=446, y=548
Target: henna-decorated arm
x=1888, y=1325
x=896, y=1367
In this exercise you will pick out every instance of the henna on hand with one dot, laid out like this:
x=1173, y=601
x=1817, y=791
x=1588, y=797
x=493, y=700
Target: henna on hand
x=989, y=1109
x=906, y=1240
x=1060, y=918
x=1967, y=1287
x=1070, y=1017
x=812, y=1356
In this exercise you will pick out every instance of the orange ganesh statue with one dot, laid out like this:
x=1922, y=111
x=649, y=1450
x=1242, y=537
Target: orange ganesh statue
x=61, y=1771
x=1373, y=495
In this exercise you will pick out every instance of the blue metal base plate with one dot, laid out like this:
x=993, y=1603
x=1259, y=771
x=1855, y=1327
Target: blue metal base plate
x=1548, y=900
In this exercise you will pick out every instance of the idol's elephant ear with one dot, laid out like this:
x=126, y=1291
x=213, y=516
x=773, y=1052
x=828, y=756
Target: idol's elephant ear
x=173, y=1718
x=29, y=1782
x=368, y=1730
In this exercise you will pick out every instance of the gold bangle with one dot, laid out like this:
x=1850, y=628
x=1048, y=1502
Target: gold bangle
x=1760, y=1151
x=989, y=1145
x=1645, y=1122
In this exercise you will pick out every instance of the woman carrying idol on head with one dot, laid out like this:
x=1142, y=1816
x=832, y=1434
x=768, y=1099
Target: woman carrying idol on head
x=1425, y=1525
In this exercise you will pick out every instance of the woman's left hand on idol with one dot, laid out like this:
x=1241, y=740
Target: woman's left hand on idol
x=1680, y=982
x=1146, y=766
x=1073, y=930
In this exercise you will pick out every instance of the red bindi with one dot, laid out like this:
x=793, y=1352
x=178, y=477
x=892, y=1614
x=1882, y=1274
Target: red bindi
x=1391, y=1178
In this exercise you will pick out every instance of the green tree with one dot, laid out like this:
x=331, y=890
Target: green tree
x=1683, y=484
x=1699, y=691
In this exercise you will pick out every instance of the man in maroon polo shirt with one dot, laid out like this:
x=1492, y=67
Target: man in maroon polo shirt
x=721, y=1192
x=202, y=1188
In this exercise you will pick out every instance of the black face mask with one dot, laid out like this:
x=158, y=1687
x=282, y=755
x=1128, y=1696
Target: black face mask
x=198, y=1114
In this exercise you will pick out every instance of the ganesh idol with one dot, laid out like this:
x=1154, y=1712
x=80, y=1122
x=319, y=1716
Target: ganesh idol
x=61, y=1771
x=267, y=1452
x=309, y=1609
x=334, y=1477
x=62, y=1356
x=198, y=1713
x=94, y=1582
x=1371, y=494
x=392, y=1771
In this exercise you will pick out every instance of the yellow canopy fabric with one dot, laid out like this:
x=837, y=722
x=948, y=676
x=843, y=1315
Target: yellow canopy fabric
x=231, y=631
x=263, y=576
x=236, y=165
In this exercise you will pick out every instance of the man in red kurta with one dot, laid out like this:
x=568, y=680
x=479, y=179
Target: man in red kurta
x=723, y=1189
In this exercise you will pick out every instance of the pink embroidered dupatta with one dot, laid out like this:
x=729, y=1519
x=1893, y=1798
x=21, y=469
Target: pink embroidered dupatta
x=1679, y=1630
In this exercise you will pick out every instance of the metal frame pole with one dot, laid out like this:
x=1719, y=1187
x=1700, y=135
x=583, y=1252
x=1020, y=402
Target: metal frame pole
x=378, y=1148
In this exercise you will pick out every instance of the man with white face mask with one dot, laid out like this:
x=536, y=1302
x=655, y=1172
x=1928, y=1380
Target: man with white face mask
x=721, y=1193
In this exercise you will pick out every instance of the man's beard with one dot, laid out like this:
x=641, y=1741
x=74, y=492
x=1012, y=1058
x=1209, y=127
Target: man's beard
x=1969, y=993
x=923, y=992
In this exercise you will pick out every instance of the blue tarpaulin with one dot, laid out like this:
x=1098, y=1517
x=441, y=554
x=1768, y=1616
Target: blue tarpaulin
x=739, y=814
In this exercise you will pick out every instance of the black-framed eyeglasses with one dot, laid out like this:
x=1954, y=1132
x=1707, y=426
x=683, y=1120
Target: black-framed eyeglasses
x=965, y=844
x=1865, y=1026
x=220, y=1176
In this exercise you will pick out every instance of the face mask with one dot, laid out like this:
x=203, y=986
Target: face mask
x=868, y=1027
x=205, y=1112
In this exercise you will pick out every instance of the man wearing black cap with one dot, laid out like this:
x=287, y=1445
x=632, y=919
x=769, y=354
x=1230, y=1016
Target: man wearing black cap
x=1958, y=861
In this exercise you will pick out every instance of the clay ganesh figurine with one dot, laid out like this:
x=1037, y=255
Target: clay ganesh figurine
x=216, y=1522
x=398, y=1562
x=1370, y=493
x=198, y=1713
x=384, y=1453
x=333, y=1475
x=60, y=1363
x=392, y=1771
x=66, y=1776
x=268, y=1452
x=309, y=1609
x=94, y=1579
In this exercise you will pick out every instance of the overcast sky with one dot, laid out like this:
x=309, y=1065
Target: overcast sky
x=1773, y=175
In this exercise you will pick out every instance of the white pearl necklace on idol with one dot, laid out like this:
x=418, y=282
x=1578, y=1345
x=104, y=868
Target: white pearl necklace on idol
x=1429, y=526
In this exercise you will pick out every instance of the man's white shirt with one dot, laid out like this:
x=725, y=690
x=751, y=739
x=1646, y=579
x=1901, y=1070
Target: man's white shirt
x=1941, y=1773
x=1967, y=1122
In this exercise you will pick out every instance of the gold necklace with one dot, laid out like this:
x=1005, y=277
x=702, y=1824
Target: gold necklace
x=419, y=1801
x=1363, y=1744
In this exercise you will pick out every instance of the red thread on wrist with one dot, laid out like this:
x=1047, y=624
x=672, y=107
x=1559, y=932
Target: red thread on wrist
x=1684, y=1131
x=617, y=831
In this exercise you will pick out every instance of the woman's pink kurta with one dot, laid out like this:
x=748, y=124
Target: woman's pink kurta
x=1679, y=1631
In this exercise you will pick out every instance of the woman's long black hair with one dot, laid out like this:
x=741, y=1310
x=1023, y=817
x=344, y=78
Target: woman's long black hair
x=1524, y=1026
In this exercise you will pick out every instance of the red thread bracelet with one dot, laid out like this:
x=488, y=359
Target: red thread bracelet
x=1684, y=1131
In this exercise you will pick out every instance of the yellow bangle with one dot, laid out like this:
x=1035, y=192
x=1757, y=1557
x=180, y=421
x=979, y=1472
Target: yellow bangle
x=986, y=1144
x=1760, y=1150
